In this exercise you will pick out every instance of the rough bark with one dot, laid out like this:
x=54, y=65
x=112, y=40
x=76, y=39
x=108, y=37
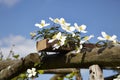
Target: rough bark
x=18, y=67
x=107, y=57
x=61, y=71
x=6, y=63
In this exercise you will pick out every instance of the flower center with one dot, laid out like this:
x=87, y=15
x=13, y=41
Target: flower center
x=86, y=38
x=108, y=37
x=42, y=24
x=81, y=28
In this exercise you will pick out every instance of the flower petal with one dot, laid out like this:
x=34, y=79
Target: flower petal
x=84, y=31
x=72, y=28
x=37, y=25
x=83, y=27
x=50, y=41
x=34, y=73
x=100, y=38
x=114, y=37
x=33, y=69
x=29, y=70
x=29, y=75
x=42, y=21
x=104, y=34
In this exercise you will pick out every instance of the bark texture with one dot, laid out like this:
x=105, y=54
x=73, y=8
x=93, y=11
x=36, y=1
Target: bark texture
x=104, y=57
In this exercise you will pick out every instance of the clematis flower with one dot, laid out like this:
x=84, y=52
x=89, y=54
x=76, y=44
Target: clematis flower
x=59, y=43
x=42, y=24
x=61, y=40
x=31, y=72
x=68, y=29
x=56, y=46
x=56, y=20
x=32, y=34
x=63, y=22
x=60, y=21
x=86, y=38
x=80, y=28
x=55, y=37
x=108, y=37
x=58, y=36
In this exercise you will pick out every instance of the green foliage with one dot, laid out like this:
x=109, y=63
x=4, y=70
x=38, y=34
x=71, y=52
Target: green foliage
x=16, y=56
x=70, y=76
x=36, y=64
x=46, y=33
x=59, y=78
x=22, y=76
x=40, y=71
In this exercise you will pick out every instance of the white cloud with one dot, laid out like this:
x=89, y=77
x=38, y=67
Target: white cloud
x=23, y=46
x=9, y=3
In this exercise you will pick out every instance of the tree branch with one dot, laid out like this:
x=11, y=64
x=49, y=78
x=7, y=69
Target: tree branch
x=60, y=71
x=109, y=57
x=19, y=66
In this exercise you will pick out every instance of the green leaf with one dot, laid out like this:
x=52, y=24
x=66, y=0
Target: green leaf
x=40, y=71
x=16, y=56
x=70, y=76
x=59, y=78
x=36, y=64
x=23, y=75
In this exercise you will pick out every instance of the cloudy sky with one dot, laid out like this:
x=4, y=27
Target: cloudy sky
x=17, y=19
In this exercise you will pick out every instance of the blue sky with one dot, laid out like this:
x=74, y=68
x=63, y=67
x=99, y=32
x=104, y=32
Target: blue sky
x=17, y=19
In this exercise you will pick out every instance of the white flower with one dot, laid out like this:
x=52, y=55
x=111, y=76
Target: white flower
x=86, y=38
x=68, y=29
x=56, y=20
x=31, y=72
x=61, y=40
x=107, y=37
x=80, y=28
x=63, y=22
x=42, y=24
x=58, y=36
x=55, y=37
x=60, y=21
x=33, y=34
x=56, y=46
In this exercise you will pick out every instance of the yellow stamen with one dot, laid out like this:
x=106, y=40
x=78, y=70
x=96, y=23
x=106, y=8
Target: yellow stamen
x=42, y=24
x=63, y=21
x=81, y=28
x=86, y=38
x=107, y=37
